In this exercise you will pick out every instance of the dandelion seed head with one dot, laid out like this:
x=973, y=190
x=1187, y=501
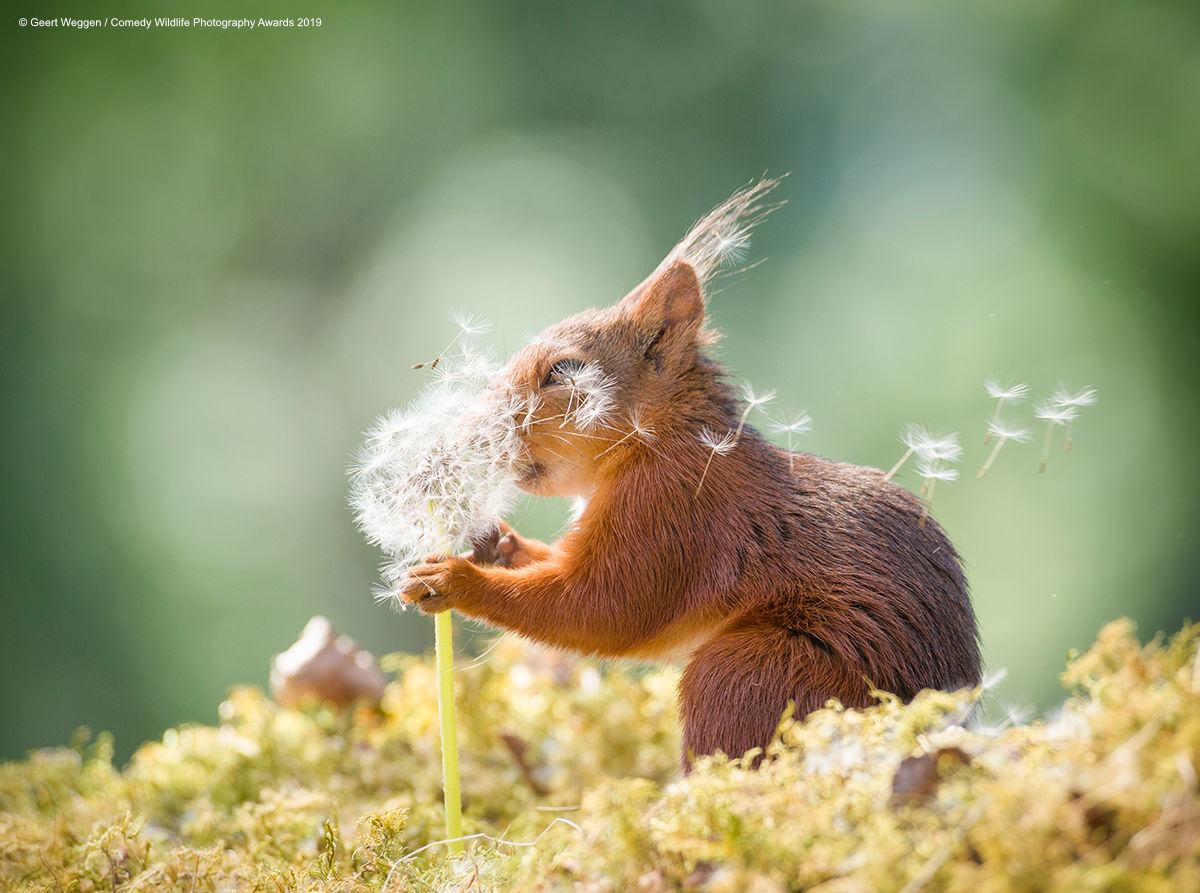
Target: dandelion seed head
x=1005, y=431
x=1013, y=393
x=801, y=424
x=436, y=475
x=718, y=444
x=1049, y=411
x=1063, y=396
x=935, y=471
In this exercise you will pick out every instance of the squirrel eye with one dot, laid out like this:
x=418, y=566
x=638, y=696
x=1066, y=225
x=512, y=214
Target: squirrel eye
x=561, y=371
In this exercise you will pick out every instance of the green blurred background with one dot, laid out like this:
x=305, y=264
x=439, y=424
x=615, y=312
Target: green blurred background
x=223, y=251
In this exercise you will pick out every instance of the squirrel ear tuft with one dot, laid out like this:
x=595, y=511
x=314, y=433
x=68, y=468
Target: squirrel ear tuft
x=671, y=299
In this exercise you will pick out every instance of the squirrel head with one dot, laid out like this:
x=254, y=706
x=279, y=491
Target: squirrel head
x=592, y=390
x=603, y=380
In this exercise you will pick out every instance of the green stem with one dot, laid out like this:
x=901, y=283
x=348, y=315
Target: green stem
x=443, y=631
x=443, y=647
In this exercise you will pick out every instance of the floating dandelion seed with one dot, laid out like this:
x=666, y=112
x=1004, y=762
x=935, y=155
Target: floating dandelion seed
x=723, y=444
x=932, y=470
x=468, y=325
x=1052, y=414
x=917, y=440
x=716, y=445
x=914, y=437
x=1002, y=394
x=753, y=401
x=1078, y=400
x=1003, y=433
x=801, y=424
x=731, y=248
x=730, y=439
x=638, y=428
x=944, y=447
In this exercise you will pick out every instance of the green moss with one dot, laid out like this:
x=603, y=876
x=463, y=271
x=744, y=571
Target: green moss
x=1102, y=796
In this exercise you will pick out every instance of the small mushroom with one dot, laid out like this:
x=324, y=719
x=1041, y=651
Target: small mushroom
x=323, y=666
x=917, y=778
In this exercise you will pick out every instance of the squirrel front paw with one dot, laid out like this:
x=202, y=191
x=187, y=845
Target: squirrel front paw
x=437, y=584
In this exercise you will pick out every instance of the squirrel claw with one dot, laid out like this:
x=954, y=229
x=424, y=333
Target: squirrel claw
x=432, y=603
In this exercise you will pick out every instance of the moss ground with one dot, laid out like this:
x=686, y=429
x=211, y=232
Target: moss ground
x=570, y=778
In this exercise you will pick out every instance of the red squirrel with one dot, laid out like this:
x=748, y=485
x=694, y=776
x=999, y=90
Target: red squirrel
x=781, y=578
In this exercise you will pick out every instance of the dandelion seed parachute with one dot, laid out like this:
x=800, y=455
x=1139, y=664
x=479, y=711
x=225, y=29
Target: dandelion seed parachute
x=1003, y=433
x=468, y=325
x=720, y=444
x=1063, y=397
x=639, y=429
x=755, y=399
x=933, y=470
x=717, y=445
x=1053, y=415
x=1083, y=397
x=1006, y=393
x=929, y=447
x=801, y=424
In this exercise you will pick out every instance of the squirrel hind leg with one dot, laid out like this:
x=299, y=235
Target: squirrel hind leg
x=737, y=685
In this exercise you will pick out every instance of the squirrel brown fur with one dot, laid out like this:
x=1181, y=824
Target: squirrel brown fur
x=784, y=578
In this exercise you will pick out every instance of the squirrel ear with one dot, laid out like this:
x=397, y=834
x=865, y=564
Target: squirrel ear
x=671, y=299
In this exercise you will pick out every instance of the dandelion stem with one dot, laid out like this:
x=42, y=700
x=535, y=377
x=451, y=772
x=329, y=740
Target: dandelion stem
x=1067, y=442
x=432, y=364
x=791, y=455
x=991, y=457
x=617, y=443
x=443, y=648
x=900, y=464
x=712, y=454
x=737, y=435
x=1046, y=448
x=443, y=631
